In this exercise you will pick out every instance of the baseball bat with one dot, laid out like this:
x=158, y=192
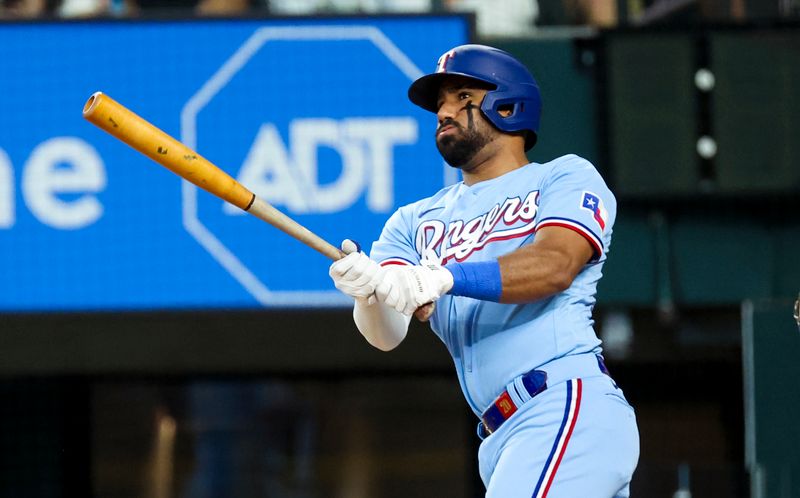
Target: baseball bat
x=123, y=124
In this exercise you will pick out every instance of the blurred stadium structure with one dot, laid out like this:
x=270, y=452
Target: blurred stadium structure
x=153, y=343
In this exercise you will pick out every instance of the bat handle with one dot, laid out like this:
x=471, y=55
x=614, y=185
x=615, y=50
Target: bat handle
x=264, y=211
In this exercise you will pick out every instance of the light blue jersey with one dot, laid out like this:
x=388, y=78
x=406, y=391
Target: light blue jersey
x=492, y=343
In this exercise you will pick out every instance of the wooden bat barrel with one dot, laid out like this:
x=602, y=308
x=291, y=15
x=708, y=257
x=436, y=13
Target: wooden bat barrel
x=111, y=116
x=119, y=121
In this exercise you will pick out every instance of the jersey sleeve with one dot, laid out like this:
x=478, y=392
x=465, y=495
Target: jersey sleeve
x=576, y=197
x=395, y=246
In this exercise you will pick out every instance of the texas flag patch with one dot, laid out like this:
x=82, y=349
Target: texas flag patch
x=594, y=204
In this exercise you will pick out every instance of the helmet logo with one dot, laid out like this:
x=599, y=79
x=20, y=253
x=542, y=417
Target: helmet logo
x=441, y=65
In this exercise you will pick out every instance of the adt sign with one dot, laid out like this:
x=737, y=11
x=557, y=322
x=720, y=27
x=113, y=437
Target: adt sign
x=288, y=173
x=314, y=120
x=310, y=113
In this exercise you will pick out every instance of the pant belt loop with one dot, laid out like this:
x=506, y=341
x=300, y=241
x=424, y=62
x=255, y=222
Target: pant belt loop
x=519, y=384
x=482, y=432
x=515, y=394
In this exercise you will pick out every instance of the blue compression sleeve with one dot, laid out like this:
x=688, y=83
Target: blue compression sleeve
x=477, y=280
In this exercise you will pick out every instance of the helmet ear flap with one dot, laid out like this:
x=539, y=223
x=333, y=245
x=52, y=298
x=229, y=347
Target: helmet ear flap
x=529, y=135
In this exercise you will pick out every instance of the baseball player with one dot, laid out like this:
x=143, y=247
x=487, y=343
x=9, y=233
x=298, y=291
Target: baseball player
x=505, y=265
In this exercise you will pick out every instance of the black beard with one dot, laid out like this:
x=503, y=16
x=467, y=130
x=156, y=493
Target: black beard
x=459, y=149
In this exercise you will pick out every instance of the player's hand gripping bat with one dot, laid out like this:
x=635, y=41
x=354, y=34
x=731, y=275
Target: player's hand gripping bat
x=111, y=116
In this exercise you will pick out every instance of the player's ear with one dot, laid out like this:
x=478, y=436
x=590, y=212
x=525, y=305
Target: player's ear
x=505, y=110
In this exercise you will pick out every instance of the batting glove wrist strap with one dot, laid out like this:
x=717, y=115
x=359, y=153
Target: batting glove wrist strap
x=477, y=280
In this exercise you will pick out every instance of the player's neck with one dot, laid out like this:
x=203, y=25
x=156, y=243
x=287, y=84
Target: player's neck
x=496, y=163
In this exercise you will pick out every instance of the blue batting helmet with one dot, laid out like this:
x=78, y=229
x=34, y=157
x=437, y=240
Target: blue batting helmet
x=513, y=87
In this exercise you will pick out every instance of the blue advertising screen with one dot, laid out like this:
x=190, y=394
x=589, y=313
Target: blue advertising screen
x=311, y=115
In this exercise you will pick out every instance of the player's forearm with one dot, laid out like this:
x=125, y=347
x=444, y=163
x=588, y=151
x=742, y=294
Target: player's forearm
x=382, y=326
x=532, y=272
x=528, y=276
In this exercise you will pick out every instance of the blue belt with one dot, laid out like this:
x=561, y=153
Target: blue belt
x=520, y=391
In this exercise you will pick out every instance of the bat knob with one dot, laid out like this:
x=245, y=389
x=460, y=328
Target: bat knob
x=350, y=246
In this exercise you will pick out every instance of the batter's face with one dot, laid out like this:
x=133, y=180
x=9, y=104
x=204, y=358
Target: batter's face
x=463, y=131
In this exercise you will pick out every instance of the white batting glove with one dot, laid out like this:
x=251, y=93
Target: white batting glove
x=356, y=274
x=406, y=288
